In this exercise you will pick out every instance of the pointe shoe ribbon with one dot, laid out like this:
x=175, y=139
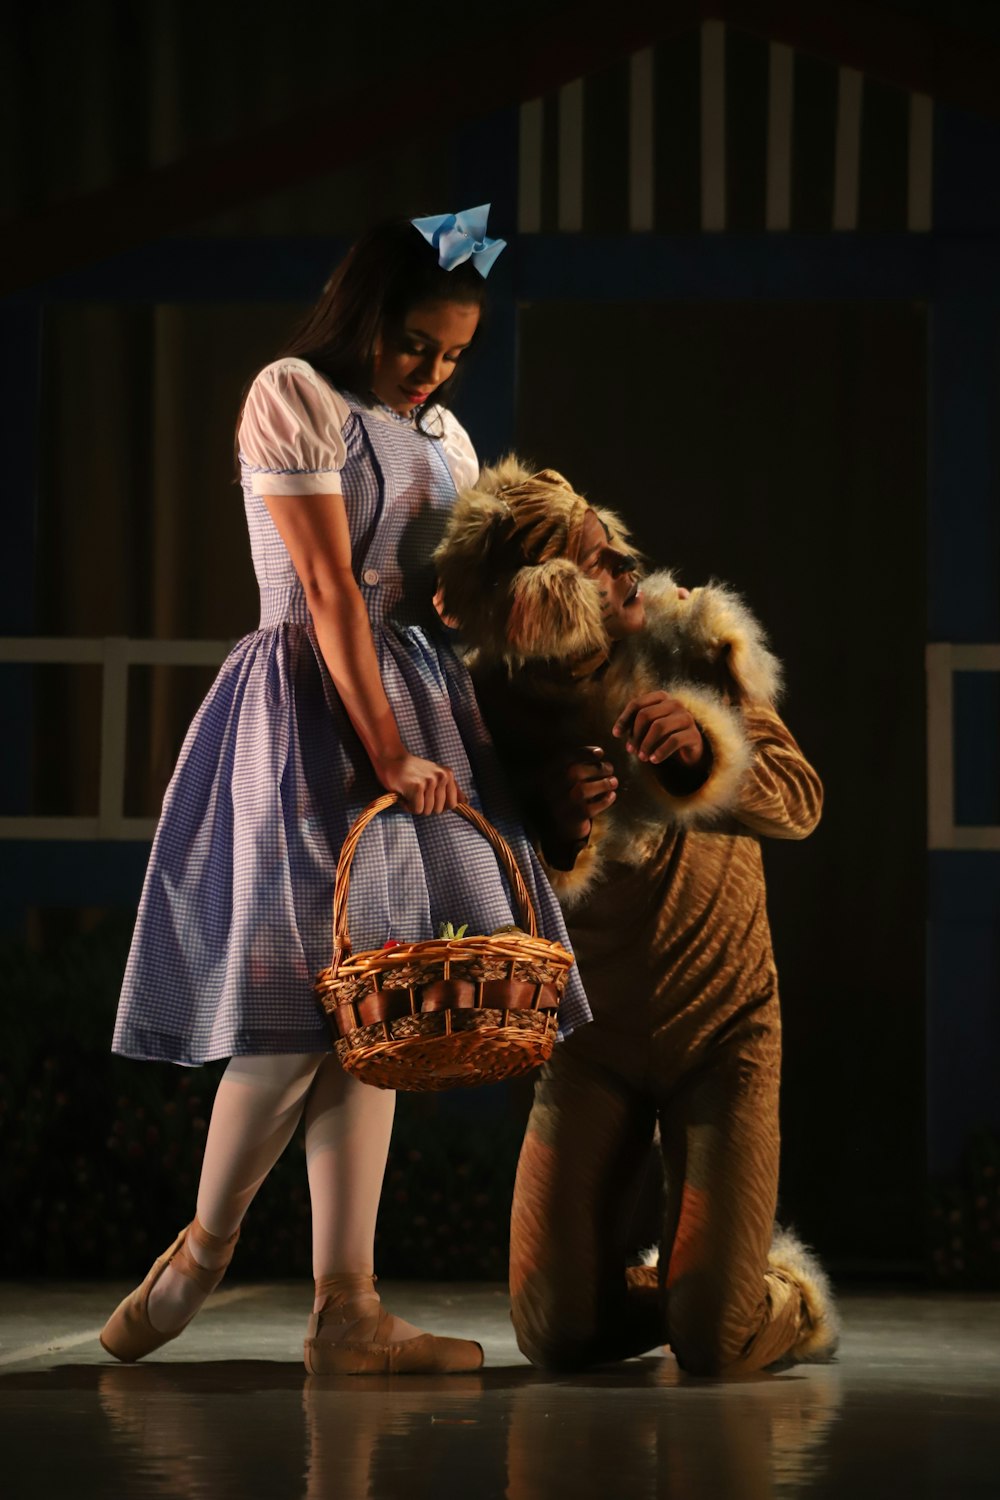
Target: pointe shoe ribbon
x=128, y=1334
x=353, y=1307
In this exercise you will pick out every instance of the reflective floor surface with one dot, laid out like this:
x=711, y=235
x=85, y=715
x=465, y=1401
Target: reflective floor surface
x=910, y=1409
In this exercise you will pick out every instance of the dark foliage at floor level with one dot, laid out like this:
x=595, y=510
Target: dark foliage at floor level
x=101, y=1155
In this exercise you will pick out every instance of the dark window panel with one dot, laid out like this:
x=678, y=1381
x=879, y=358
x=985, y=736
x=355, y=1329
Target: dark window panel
x=977, y=748
x=606, y=151
x=885, y=139
x=814, y=129
x=677, y=135
x=746, y=131
x=550, y=164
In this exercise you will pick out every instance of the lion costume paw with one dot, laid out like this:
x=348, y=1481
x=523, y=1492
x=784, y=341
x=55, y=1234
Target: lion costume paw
x=789, y=1258
x=820, y=1334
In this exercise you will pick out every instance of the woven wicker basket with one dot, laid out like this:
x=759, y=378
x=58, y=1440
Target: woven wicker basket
x=450, y=1012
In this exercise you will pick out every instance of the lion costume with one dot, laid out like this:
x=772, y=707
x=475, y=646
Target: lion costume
x=666, y=913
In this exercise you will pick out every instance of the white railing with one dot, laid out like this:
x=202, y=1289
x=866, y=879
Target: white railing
x=114, y=654
x=943, y=661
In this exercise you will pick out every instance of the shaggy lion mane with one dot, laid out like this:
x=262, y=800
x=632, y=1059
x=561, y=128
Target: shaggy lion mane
x=508, y=572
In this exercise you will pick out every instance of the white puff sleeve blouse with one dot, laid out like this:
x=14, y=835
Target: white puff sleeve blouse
x=291, y=432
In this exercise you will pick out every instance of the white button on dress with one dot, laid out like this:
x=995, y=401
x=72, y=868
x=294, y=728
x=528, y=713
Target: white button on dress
x=370, y=575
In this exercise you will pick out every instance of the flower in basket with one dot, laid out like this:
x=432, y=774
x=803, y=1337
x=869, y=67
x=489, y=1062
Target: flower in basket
x=390, y=943
x=448, y=930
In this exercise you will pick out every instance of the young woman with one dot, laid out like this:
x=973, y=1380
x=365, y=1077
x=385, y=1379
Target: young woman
x=350, y=460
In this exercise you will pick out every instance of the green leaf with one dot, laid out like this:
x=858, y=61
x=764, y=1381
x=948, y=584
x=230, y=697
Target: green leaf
x=447, y=930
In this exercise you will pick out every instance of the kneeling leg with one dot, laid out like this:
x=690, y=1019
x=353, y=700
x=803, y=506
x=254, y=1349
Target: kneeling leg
x=739, y=1298
x=577, y=1179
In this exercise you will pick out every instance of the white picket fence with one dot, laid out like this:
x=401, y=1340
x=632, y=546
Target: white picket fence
x=115, y=654
x=943, y=661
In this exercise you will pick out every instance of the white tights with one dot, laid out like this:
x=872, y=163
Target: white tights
x=259, y=1103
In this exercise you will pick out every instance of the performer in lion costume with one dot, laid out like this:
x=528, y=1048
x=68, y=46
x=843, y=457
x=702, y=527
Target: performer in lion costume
x=638, y=723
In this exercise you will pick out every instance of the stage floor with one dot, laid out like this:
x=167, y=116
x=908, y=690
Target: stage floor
x=910, y=1409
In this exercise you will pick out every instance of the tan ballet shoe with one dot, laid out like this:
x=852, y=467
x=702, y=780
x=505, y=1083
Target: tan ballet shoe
x=128, y=1334
x=352, y=1303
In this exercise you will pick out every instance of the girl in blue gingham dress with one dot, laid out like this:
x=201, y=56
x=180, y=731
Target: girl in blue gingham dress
x=348, y=687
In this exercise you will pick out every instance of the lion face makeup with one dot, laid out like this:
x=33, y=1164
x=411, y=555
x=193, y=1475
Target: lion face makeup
x=616, y=574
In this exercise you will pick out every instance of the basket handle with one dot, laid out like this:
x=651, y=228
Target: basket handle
x=342, y=884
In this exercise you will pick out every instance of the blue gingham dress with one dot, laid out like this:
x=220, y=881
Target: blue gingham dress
x=235, y=916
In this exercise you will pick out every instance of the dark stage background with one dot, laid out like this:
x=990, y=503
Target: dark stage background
x=750, y=301
x=782, y=450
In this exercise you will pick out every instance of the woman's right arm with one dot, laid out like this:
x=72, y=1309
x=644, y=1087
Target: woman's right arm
x=314, y=529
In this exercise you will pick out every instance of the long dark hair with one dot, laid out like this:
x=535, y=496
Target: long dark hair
x=390, y=270
x=386, y=273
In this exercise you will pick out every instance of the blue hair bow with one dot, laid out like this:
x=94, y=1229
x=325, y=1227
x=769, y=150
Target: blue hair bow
x=461, y=237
